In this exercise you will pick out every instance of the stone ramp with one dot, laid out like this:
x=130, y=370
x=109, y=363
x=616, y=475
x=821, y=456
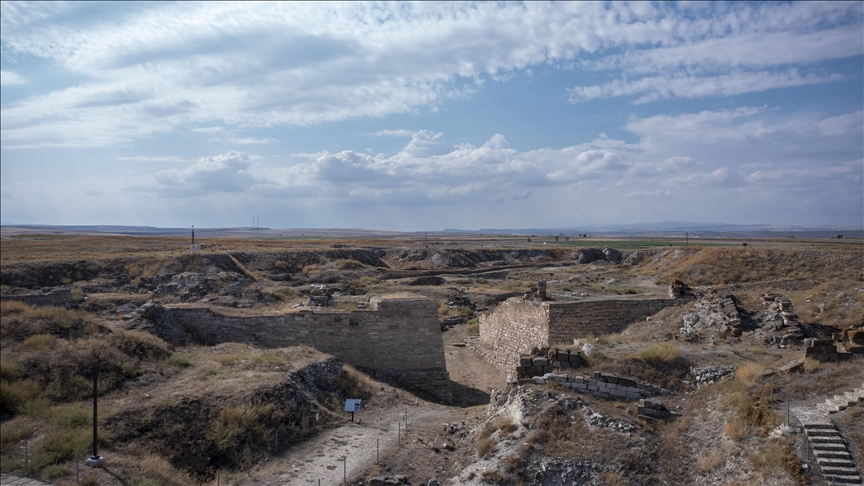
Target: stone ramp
x=829, y=447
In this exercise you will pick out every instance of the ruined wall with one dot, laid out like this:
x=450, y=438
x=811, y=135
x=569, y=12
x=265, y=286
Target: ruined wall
x=569, y=320
x=518, y=325
x=512, y=329
x=397, y=338
x=61, y=297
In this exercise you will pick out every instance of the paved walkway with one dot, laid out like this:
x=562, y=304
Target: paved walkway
x=9, y=480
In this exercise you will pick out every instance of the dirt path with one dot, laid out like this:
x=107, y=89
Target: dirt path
x=350, y=449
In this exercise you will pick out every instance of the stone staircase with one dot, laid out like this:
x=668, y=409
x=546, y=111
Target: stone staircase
x=842, y=402
x=828, y=446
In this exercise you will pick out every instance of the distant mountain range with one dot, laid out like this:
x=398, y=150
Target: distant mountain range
x=661, y=229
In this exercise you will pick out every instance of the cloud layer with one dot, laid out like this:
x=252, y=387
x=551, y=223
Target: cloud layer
x=155, y=68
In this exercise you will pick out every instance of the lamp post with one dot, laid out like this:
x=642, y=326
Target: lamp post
x=95, y=460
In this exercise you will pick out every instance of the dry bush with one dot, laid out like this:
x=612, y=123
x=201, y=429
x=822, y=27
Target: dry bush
x=711, y=460
x=485, y=447
x=345, y=264
x=537, y=437
x=768, y=459
x=737, y=429
x=353, y=383
x=659, y=353
x=809, y=364
x=613, y=478
x=13, y=307
x=749, y=372
x=155, y=467
x=237, y=426
x=39, y=342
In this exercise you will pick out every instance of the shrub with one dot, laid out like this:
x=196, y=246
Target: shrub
x=474, y=326
x=710, y=461
x=14, y=394
x=39, y=342
x=179, y=359
x=809, y=364
x=160, y=472
x=13, y=308
x=766, y=460
x=8, y=371
x=485, y=446
x=737, y=429
x=749, y=372
x=659, y=353
x=54, y=472
x=239, y=425
x=284, y=294
x=70, y=416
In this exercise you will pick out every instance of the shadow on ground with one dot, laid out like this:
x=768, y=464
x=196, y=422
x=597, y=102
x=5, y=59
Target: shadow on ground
x=465, y=396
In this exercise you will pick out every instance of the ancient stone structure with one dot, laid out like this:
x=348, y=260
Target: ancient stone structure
x=517, y=325
x=397, y=338
x=603, y=385
x=57, y=297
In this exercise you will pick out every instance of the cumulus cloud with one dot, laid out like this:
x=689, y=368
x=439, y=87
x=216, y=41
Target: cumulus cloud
x=228, y=172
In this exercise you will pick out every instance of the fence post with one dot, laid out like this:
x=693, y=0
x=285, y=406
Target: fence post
x=377, y=452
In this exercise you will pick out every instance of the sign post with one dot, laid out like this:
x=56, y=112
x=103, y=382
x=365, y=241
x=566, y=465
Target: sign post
x=352, y=405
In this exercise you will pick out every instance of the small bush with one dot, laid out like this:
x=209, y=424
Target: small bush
x=485, y=446
x=810, y=364
x=8, y=371
x=226, y=360
x=39, y=342
x=14, y=394
x=474, y=326
x=160, y=472
x=179, y=359
x=54, y=472
x=767, y=460
x=35, y=407
x=13, y=308
x=659, y=353
x=710, y=461
x=749, y=372
x=737, y=429
x=284, y=294
x=70, y=416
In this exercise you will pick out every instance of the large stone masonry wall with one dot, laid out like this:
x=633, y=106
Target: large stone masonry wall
x=569, y=320
x=512, y=329
x=397, y=338
x=518, y=325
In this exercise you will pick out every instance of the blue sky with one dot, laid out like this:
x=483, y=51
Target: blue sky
x=413, y=116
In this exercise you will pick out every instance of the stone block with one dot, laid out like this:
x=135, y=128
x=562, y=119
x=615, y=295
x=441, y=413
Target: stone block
x=525, y=361
x=563, y=355
x=540, y=361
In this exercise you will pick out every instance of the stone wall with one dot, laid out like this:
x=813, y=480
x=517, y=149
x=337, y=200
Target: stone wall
x=396, y=338
x=518, y=325
x=569, y=320
x=512, y=329
x=60, y=297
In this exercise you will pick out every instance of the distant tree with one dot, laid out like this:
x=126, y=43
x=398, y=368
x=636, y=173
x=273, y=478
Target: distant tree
x=839, y=237
x=556, y=238
x=529, y=239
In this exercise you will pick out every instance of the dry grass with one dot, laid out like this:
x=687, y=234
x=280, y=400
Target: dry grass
x=737, y=429
x=485, y=447
x=155, y=467
x=659, y=353
x=711, y=460
x=748, y=373
x=810, y=364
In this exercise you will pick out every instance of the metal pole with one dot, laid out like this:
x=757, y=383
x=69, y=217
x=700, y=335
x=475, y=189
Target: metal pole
x=400, y=432
x=218, y=477
x=26, y=454
x=77, y=467
x=377, y=452
x=95, y=393
x=249, y=460
x=826, y=382
x=345, y=470
x=787, y=408
x=276, y=440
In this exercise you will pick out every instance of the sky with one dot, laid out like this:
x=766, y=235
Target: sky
x=424, y=116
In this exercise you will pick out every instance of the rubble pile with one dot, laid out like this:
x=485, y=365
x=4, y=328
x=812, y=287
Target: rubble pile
x=707, y=375
x=779, y=322
x=320, y=296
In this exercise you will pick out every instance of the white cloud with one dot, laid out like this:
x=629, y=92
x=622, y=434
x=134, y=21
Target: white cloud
x=684, y=86
x=393, y=133
x=155, y=68
x=8, y=78
x=228, y=172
